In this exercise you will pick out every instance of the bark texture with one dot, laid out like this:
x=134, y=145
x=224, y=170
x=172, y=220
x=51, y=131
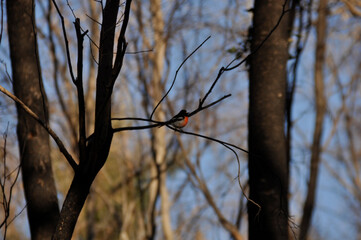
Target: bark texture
x=37, y=175
x=268, y=166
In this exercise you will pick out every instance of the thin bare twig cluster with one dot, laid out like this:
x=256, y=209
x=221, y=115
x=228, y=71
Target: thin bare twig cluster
x=7, y=177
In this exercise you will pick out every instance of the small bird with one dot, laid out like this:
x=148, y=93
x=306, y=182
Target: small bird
x=179, y=120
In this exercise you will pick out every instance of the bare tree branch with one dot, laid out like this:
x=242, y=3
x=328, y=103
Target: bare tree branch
x=57, y=140
x=54, y=58
x=122, y=44
x=80, y=90
x=202, y=185
x=66, y=41
x=7, y=193
x=175, y=76
x=160, y=123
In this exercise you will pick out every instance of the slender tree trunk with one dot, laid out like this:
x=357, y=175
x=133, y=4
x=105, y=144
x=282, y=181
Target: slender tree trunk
x=37, y=175
x=159, y=135
x=320, y=106
x=268, y=166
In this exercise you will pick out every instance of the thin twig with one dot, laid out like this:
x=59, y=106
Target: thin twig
x=94, y=20
x=66, y=41
x=175, y=76
x=239, y=180
x=136, y=127
x=11, y=192
x=141, y=51
x=90, y=39
x=85, y=32
x=160, y=123
x=201, y=107
x=57, y=140
x=229, y=68
x=208, y=138
x=18, y=214
x=122, y=44
x=229, y=146
x=284, y=11
x=55, y=74
x=156, y=124
x=6, y=200
x=71, y=9
x=5, y=204
x=91, y=51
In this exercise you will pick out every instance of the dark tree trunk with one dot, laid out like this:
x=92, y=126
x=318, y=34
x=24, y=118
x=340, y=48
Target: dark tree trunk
x=97, y=149
x=268, y=166
x=37, y=175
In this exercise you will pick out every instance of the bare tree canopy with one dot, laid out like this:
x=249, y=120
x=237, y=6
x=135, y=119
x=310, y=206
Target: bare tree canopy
x=180, y=119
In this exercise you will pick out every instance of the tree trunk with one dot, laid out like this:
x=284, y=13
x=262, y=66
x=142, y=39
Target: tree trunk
x=159, y=144
x=37, y=175
x=320, y=106
x=268, y=166
x=98, y=145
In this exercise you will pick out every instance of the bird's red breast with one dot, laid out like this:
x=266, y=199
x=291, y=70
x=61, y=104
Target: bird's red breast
x=181, y=122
